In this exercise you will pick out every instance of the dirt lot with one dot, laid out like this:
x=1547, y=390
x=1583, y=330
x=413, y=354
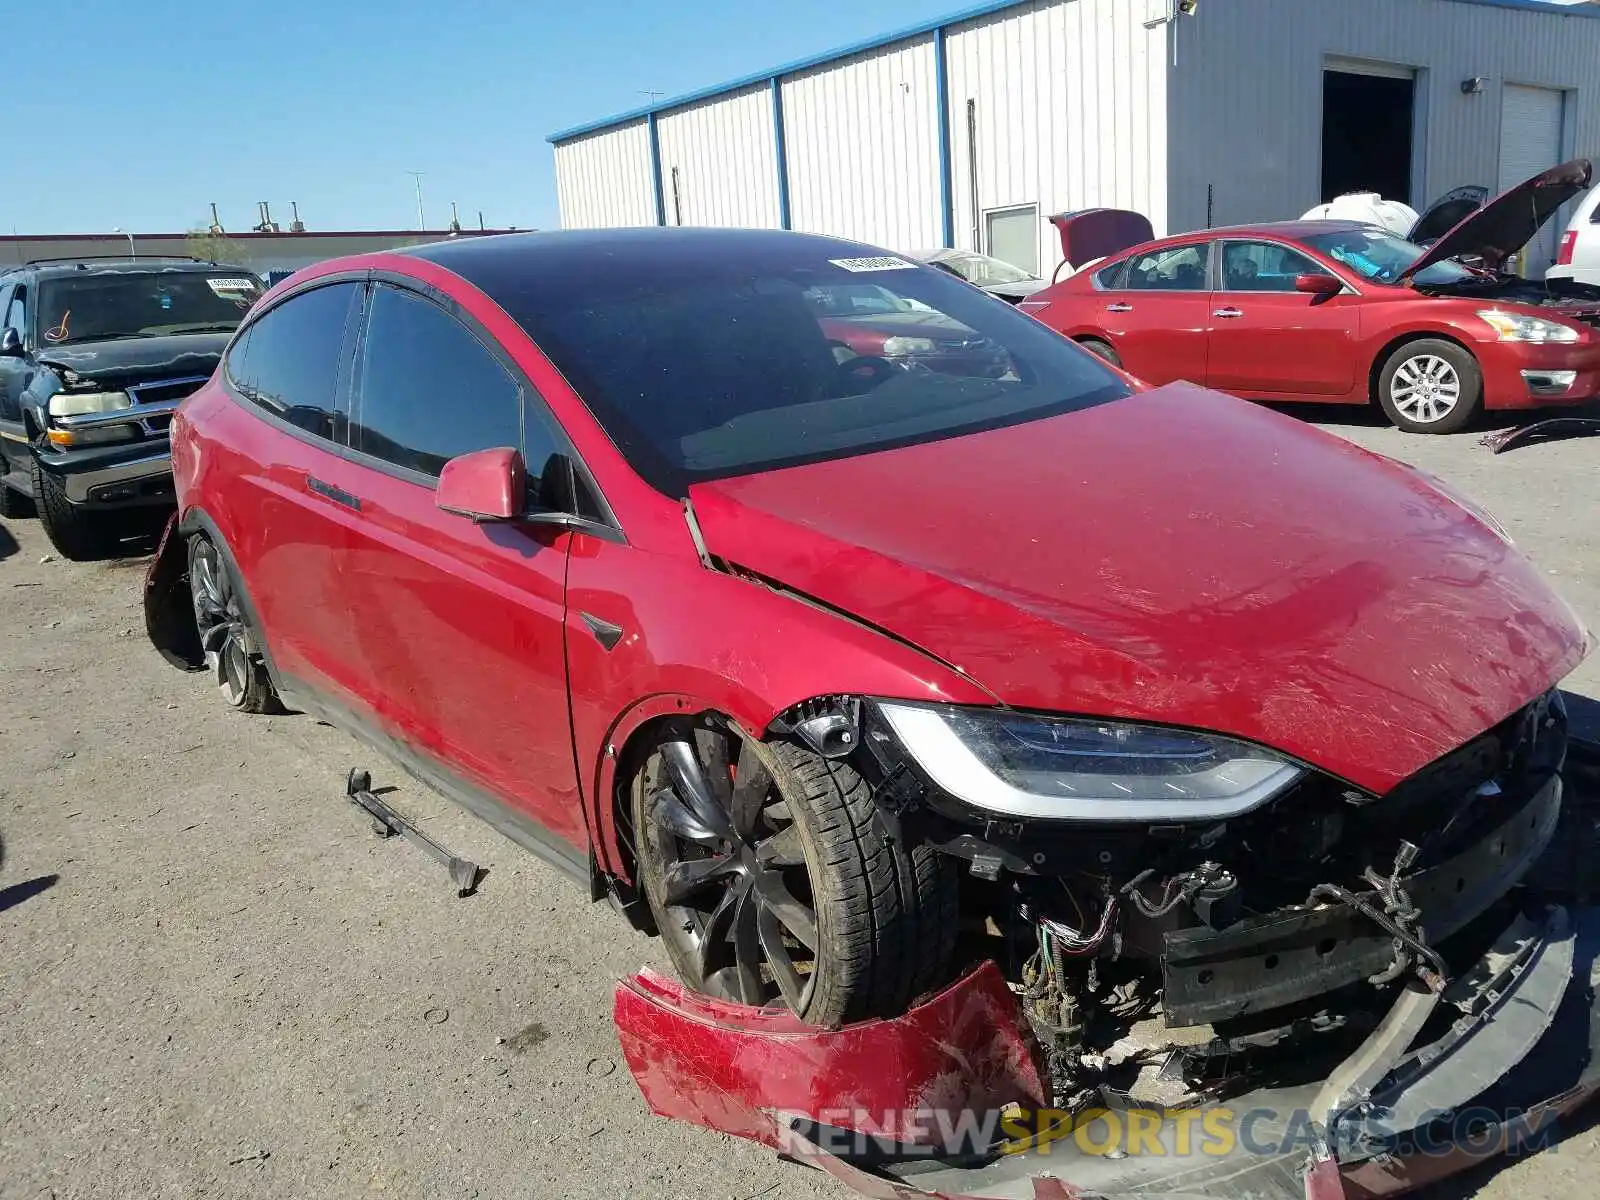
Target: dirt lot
x=215, y=982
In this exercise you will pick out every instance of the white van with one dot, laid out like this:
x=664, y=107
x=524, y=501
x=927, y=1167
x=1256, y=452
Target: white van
x=1578, y=257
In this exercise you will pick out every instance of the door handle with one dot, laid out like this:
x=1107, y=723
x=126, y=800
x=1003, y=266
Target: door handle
x=337, y=495
x=1227, y=313
x=1119, y=307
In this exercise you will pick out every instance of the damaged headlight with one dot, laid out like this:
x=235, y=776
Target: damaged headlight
x=78, y=404
x=1061, y=768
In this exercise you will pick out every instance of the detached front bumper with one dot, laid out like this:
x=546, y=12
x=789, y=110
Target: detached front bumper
x=947, y=1100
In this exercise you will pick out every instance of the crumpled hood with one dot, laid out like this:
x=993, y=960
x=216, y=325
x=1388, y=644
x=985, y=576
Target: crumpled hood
x=132, y=360
x=1177, y=556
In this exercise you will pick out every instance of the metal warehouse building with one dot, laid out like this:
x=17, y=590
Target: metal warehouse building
x=970, y=131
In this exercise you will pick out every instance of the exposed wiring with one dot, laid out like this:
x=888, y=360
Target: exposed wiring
x=1179, y=889
x=1070, y=941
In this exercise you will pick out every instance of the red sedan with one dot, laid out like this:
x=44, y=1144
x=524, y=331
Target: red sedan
x=844, y=676
x=1346, y=313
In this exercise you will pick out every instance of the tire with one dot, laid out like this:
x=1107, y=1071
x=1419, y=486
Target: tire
x=14, y=504
x=801, y=847
x=80, y=534
x=1431, y=386
x=1102, y=349
x=231, y=647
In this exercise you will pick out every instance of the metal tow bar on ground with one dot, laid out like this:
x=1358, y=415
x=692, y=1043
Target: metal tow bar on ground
x=386, y=822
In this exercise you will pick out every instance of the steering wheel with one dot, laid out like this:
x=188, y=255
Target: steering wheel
x=864, y=372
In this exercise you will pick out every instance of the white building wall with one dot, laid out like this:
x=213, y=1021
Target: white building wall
x=605, y=179
x=1246, y=97
x=862, y=141
x=1070, y=109
x=725, y=153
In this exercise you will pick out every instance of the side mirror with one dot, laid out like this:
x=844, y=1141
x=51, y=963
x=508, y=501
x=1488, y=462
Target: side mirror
x=1318, y=285
x=10, y=343
x=486, y=485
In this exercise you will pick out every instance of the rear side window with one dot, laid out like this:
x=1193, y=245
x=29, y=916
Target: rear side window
x=430, y=390
x=1110, y=277
x=289, y=361
x=1175, y=269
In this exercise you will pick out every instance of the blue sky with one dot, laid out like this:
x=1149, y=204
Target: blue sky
x=139, y=114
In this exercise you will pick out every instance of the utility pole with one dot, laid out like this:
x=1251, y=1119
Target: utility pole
x=650, y=95
x=422, y=221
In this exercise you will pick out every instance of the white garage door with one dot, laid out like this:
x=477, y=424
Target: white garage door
x=1530, y=142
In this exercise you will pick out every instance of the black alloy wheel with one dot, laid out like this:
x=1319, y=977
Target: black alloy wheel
x=727, y=869
x=224, y=633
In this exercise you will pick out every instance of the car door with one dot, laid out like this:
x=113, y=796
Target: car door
x=14, y=374
x=459, y=626
x=1156, y=318
x=283, y=518
x=1267, y=338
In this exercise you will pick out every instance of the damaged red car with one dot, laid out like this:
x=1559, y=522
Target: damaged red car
x=1014, y=741
x=1342, y=312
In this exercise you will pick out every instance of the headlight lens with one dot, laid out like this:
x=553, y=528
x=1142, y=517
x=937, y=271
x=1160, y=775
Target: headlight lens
x=898, y=347
x=77, y=404
x=1524, y=327
x=1018, y=765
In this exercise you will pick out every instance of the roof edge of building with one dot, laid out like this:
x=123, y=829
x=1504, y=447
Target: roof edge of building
x=789, y=68
x=1590, y=9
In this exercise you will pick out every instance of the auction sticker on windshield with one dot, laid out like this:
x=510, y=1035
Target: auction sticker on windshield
x=882, y=262
x=232, y=288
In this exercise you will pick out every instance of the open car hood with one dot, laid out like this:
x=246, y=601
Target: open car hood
x=1509, y=222
x=1181, y=557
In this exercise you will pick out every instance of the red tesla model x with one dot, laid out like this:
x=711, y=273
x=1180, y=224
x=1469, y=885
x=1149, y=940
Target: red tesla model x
x=839, y=673
x=1346, y=313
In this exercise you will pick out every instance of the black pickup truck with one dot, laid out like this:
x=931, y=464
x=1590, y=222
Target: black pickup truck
x=95, y=356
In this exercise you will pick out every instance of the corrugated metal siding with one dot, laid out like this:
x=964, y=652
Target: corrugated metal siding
x=726, y=158
x=1245, y=101
x=605, y=179
x=1071, y=113
x=863, y=147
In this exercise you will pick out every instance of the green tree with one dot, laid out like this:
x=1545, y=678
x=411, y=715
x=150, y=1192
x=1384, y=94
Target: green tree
x=215, y=247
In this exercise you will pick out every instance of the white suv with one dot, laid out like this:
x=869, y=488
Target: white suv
x=1578, y=258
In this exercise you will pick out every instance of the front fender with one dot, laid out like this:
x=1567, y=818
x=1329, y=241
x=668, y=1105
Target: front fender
x=693, y=640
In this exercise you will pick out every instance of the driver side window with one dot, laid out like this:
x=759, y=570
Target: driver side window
x=1263, y=267
x=16, y=314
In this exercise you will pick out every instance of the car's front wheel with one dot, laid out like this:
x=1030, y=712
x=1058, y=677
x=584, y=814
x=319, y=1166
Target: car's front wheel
x=1431, y=386
x=773, y=879
x=80, y=534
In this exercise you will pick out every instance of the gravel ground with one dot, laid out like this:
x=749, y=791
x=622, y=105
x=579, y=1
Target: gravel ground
x=215, y=982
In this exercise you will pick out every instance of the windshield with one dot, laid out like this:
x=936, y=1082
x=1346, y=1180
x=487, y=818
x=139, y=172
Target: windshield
x=717, y=363
x=124, y=304
x=1382, y=258
x=982, y=270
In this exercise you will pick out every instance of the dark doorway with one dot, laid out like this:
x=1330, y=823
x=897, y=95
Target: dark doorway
x=1366, y=134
